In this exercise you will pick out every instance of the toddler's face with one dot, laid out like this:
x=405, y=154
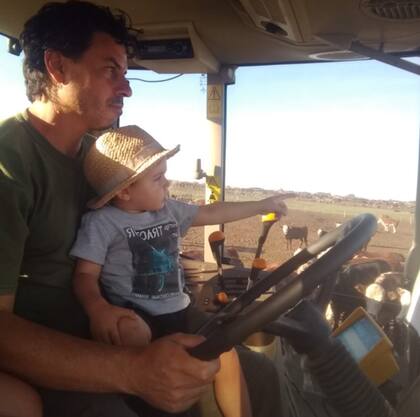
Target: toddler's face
x=149, y=192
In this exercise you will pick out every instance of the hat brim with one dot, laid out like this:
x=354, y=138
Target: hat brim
x=100, y=201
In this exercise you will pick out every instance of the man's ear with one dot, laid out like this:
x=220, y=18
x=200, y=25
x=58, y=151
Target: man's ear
x=54, y=63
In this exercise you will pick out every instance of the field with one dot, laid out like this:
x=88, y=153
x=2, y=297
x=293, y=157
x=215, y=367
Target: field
x=243, y=235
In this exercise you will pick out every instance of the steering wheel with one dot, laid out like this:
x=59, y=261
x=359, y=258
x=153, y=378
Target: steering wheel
x=236, y=322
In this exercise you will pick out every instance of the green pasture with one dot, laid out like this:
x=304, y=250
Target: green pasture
x=344, y=210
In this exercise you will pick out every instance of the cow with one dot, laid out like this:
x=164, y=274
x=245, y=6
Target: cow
x=389, y=224
x=294, y=232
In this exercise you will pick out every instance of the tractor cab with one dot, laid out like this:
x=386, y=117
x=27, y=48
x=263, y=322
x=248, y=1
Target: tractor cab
x=356, y=258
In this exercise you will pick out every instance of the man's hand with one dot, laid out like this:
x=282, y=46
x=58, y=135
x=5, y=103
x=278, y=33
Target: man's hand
x=104, y=318
x=166, y=376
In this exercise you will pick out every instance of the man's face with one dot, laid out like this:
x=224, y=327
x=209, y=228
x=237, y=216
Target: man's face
x=95, y=84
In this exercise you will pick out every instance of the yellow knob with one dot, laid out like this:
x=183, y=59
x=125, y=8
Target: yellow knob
x=269, y=217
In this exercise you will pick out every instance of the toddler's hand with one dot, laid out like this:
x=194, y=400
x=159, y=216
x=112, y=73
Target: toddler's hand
x=276, y=204
x=104, y=320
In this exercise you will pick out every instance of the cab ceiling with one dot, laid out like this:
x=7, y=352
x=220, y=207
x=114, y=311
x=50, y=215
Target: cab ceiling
x=244, y=32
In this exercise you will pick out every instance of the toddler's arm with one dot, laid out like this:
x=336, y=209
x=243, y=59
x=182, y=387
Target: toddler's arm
x=103, y=317
x=225, y=212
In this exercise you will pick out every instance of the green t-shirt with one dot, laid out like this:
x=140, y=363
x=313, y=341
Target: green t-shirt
x=43, y=194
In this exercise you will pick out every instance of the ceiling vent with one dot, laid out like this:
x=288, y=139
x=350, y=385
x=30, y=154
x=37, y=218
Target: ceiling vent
x=399, y=10
x=284, y=19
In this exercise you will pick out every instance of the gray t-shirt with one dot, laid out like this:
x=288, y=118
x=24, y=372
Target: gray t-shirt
x=139, y=254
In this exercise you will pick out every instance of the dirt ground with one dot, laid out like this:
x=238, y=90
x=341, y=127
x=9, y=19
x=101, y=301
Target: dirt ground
x=243, y=236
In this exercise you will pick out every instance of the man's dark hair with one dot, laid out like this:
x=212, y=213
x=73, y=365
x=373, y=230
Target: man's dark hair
x=67, y=28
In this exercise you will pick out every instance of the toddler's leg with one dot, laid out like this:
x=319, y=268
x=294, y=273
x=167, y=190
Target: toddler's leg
x=19, y=399
x=134, y=332
x=230, y=387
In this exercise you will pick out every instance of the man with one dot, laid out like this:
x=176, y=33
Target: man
x=75, y=65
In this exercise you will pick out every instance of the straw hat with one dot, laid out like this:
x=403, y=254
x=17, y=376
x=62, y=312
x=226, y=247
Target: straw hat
x=118, y=158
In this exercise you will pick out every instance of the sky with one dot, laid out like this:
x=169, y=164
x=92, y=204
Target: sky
x=341, y=128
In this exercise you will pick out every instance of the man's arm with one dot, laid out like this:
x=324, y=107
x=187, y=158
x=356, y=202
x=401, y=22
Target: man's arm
x=225, y=212
x=7, y=302
x=163, y=373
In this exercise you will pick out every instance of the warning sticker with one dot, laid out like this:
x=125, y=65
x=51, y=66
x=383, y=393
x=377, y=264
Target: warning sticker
x=214, y=101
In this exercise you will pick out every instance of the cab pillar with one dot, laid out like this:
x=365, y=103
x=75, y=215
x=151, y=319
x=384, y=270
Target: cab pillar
x=216, y=117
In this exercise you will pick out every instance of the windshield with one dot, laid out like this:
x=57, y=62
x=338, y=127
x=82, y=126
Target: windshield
x=343, y=136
